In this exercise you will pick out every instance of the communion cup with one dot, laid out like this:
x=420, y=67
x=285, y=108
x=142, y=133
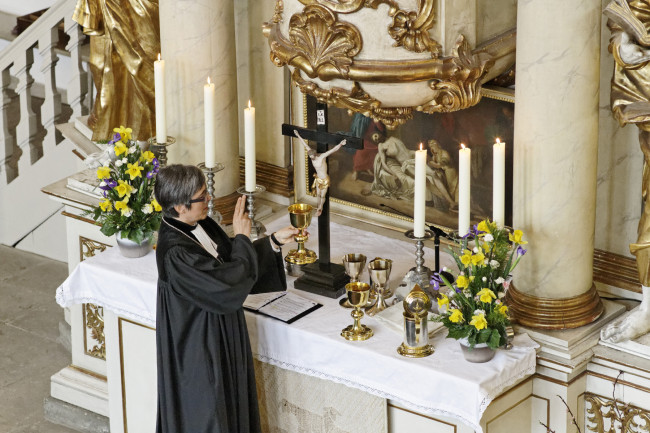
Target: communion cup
x=379, y=270
x=357, y=297
x=353, y=264
x=300, y=217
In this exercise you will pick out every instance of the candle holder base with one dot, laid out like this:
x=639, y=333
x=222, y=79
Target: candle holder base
x=209, y=173
x=160, y=149
x=257, y=228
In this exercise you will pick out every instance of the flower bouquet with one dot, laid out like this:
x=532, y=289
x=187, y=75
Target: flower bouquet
x=127, y=182
x=472, y=307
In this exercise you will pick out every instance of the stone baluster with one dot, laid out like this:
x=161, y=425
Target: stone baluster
x=7, y=168
x=26, y=130
x=78, y=84
x=51, y=108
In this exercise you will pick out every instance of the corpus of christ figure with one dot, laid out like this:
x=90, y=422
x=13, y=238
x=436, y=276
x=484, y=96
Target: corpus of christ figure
x=321, y=178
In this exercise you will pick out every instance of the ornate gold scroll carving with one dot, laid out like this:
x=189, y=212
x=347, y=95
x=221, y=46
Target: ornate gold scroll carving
x=88, y=248
x=94, y=326
x=608, y=416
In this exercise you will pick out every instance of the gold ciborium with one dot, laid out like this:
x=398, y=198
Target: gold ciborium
x=300, y=217
x=379, y=270
x=358, y=297
x=353, y=264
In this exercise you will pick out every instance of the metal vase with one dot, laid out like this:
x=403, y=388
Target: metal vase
x=480, y=353
x=132, y=249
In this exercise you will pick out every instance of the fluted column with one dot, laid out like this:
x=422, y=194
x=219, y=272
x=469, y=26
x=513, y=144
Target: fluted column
x=555, y=158
x=198, y=40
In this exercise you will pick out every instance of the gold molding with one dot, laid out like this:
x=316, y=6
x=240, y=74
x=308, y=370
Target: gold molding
x=276, y=180
x=620, y=417
x=93, y=320
x=88, y=372
x=322, y=46
x=554, y=314
x=88, y=247
x=619, y=381
x=80, y=218
x=616, y=270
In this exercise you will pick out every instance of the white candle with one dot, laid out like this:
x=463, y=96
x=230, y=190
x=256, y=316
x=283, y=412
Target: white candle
x=464, y=160
x=419, y=197
x=249, y=147
x=498, y=182
x=208, y=106
x=159, y=82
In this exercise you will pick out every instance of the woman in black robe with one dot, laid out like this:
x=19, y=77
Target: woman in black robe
x=206, y=382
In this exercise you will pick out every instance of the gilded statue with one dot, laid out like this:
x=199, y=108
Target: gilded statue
x=629, y=23
x=124, y=42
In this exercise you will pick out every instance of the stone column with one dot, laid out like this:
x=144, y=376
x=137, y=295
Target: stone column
x=198, y=40
x=555, y=159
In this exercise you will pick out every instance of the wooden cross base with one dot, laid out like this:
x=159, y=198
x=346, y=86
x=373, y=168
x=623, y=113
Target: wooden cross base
x=325, y=282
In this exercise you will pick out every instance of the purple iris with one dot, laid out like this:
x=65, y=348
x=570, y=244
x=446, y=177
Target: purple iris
x=435, y=281
x=520, y=250
x=110, y=184
x=116, y=137
x=150, y=173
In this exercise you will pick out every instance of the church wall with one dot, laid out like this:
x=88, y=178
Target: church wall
x=620, y=168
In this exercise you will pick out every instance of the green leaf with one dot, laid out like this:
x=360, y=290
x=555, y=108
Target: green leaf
x=495, y=339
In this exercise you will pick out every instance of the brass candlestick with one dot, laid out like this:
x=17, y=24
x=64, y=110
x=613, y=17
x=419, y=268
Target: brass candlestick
x=161, y=148
x=209, y=174
x=257, y=228
x=358, y=297
x=300, y=216
x=353, y=264
x=379, y=270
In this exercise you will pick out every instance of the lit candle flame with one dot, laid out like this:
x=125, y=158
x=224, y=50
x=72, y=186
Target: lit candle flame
x=158, y=56
x=421, y=148
x=249, y=103
x=208, y=80
x=498, y=141
x=463, y=145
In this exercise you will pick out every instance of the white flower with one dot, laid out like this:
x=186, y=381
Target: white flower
x=118, y=163
x=445, y=269
x=495, y=264
x=102, y=183
x=499, y=280
x=124, y=160
x=475, y=250
x=479, y=312
x=462, y=273
x=147, y=209
x=484, y=279
x=132, y=149
x=488, y=238
x=127, y=213
x=486, y=261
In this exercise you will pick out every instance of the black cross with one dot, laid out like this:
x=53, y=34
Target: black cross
x=323, y=277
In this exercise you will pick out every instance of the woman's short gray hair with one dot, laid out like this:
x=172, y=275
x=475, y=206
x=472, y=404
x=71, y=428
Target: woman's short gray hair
x=175, y=185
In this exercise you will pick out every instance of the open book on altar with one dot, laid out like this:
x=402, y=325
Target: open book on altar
x=285, y=306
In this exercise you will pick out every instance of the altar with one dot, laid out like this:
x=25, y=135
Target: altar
x=440, y=390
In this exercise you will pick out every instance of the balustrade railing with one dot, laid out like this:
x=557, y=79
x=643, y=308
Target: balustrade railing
x=25, y=138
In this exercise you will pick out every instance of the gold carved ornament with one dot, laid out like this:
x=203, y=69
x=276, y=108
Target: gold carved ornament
x=609, y=416
x=322, y=46
x=94, y=321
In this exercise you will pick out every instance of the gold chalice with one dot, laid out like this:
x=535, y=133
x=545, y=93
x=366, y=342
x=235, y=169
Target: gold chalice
x=353, y=264
x=358, y=297
x=300, y=217
x=379, y=270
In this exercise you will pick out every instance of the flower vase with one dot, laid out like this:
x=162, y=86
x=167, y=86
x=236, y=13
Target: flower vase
x=132, y=249
x=480, y=353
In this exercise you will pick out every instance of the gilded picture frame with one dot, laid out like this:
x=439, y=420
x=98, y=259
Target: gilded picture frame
x=378, y=188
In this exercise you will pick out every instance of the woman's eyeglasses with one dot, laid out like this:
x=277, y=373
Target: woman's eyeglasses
x=200, y=199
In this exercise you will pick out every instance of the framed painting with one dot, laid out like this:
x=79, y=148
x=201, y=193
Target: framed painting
x=376, y=183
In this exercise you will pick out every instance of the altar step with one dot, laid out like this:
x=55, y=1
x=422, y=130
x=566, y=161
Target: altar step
x=74, y=417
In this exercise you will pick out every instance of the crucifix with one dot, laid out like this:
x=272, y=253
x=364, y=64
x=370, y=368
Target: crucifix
x=323, y=277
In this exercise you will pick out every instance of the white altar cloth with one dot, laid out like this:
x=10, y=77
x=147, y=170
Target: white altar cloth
x=442, y=384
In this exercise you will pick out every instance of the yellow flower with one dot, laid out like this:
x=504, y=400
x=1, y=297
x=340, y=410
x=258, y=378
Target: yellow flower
x=483, y=226
x=442, y=301
x=479, y=321
x=122, y=205
x=125, y=133
x=148, y=156
x=155, y=205
x=456, y=316
x=123, y=188
x=486, y=295
x=105, y=205
x=466, y=258
x=477, y=259
x=134, y=170
x=503, y=309
x=516, y=237
x=120, y=148
x=103, y=172
x=462, y=282
x=486, y=247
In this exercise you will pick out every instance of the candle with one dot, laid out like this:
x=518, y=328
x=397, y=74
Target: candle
x=419, y=197
x=159, y=83
x=208, y=106
x=498, y=182
x=249, y=147
x=464, y=159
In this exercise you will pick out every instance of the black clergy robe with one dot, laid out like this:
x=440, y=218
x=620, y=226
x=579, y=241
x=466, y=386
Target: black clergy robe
x=206, y=382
